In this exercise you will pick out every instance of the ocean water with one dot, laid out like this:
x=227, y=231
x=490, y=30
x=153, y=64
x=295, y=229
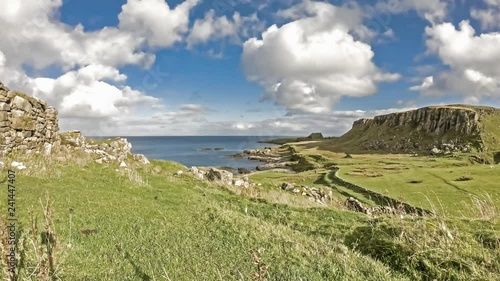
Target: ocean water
x=186, y=150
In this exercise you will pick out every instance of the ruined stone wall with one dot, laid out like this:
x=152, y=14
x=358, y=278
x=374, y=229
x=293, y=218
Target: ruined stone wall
x=26, y=123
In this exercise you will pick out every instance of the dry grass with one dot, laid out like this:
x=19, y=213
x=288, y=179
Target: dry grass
x=47, y=246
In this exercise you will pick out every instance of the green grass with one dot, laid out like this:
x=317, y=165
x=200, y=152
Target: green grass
x=148, y=224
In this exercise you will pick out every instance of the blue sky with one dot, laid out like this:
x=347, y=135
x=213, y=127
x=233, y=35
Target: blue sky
x=239, y=67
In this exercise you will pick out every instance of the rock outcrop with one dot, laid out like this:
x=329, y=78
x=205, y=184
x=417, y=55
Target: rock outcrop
x=27, y=124
x=443, y=129
x=106, y=151
x=315, y=194
x=220, y=176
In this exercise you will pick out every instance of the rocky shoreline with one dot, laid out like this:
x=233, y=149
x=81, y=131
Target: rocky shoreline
x=270, y=159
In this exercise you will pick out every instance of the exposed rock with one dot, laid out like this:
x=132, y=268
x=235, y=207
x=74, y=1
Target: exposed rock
x=264, y=158
x=353, y=204
x=451, y=128
x=18, y=165
x=141, y=158
x=315, y=136
x=179, y=173
x=123, y=164
x=435, y=151
x=228, y=169
x=238, y=182
x=315, y=194
x=244, y=171
x=272, y=166
x=221, y=176
x=287, y=186
x=47, y=148
x=22, y=104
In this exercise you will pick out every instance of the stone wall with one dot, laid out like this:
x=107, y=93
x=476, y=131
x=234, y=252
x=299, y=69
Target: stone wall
x=380, y=199
x=26, y=123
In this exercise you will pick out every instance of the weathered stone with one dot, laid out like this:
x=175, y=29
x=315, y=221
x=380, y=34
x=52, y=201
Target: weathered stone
x=222, y=176
x=27, y=134
x=4, y=106
x=21, y=103
x=23, y=124
x=141, y=158
x=17, y=113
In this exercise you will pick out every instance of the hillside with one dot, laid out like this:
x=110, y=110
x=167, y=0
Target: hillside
x=452, y=128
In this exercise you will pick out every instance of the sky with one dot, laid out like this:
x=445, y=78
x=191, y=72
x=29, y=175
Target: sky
x=247, y=67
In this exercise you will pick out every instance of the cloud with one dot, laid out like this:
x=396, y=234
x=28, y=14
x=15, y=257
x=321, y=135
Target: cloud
x=489, y=17
x=87, y=87
x=33, y=35
x=473, y=61
x=333, y=123
x=211, y=28
x=307, y=65
x=434, y=11
x=155, y=21
x=84, y=94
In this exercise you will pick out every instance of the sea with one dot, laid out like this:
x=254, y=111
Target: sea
x=190, y=150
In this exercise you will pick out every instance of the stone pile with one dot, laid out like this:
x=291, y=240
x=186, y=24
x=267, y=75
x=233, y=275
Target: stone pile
x=110, y=150
x=27, y=124
x=221, y=177
x=354, y=205
x=315, y=194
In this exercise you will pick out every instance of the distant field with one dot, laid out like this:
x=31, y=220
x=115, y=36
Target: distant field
x=445, y=184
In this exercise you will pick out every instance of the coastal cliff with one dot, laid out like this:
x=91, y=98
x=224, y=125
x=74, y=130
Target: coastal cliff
x=430, y=129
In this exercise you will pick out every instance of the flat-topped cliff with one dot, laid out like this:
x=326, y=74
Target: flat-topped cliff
x=442, y=128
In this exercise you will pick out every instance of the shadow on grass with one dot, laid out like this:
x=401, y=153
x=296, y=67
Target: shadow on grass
x=138, y=271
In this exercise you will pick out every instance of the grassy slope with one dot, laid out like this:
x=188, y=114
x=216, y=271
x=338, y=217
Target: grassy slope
x=177, y=228
x=153, y=225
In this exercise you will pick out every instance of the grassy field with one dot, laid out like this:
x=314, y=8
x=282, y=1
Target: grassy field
x=145, y=223
x=449, y=185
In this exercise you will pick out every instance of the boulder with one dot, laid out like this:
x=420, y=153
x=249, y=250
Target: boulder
x=353, y=204
x=239, y=182
x=287, y=186
x=243, y=171
x=141, y=159
x=217, y=175
x=435, y=151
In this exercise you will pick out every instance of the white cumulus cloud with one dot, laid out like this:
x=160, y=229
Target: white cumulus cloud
x=307, y=65
x=473, y=61
x=156, y=21
x=215, y=28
